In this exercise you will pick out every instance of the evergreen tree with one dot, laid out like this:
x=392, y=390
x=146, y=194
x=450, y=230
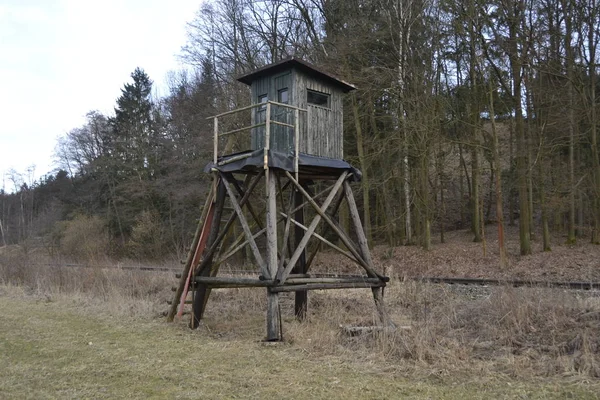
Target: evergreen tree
x=134, y=136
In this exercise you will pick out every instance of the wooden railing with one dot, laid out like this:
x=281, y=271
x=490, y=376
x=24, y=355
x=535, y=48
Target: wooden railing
x=295, y=126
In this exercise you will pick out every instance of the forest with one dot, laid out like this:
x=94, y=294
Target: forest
x=466, y=114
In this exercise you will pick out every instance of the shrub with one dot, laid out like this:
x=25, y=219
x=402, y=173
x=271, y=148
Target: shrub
x=83, y=238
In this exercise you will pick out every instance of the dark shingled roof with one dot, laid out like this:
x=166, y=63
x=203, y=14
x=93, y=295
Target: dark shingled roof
x=294, y=63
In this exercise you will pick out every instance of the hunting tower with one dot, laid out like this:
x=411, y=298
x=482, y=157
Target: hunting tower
x=290, y=141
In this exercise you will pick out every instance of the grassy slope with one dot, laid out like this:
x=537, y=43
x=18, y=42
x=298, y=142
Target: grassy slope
x=54, y=350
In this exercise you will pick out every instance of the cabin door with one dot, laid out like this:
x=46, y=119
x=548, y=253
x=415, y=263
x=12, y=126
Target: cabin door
x=282, y=137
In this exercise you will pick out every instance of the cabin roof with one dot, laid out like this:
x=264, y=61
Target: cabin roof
x=292, y=62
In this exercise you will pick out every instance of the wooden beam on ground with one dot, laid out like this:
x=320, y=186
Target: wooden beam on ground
x=313, y=225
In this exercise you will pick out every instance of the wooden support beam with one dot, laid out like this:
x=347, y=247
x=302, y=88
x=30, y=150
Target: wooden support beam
x=233, y=250
x=273, y=311
x=342, y=235
x=225, y=282
x=300, y=297
x=321, y=286
x=322, y=239
x=241, y=282
x=364, y=249
x=324, y=230
x=286, y=246
x=201, y=294
x=248, y=204
x=358, y=226
x=300, y=205
x=286, y=234
x=341, y=279
x=311, y=229
x=206, y=229
x=235, y=158
x=210, y=252
x=245, y=227
x=190, y=257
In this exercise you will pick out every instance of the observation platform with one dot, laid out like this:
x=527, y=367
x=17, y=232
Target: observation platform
x=308, y=166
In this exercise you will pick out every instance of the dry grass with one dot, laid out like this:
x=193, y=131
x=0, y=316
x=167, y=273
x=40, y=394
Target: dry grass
x=514, y=342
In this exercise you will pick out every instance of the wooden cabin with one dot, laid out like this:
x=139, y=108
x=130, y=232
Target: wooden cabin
x=299, y=84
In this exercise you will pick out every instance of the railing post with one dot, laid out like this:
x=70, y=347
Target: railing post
x=216, y=139
x=267, y=135
x=267, y=145
x=296, y=140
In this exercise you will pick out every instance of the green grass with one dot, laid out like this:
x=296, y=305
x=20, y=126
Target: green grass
x=60, y=349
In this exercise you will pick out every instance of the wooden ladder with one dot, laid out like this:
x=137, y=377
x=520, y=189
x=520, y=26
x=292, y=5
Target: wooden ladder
x=193, y=258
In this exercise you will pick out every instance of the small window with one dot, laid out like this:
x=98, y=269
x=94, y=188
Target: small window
x=317, y=98
x=282, y=96
x=263, y=98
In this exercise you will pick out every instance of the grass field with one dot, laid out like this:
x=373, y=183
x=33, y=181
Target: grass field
x=71, y=346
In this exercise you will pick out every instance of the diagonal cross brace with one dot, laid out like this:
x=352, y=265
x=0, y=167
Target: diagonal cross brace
x=210, y=252
x=283, y=274
x=342, y=235
x=245, y=227
x=322, y=239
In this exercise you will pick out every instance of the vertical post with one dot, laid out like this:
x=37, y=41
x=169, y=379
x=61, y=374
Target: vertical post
x=301, y=300
x=365, y=253
x=216, y=139
x=273, y=315
x=267, y=145
x=296, y=141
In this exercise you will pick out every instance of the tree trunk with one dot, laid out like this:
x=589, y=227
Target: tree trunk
x=363, y=166
x=592, y=45
x=515, y=13
x=498, y=181
x=567, y=9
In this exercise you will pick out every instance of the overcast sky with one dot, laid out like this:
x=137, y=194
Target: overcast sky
x=60, y=59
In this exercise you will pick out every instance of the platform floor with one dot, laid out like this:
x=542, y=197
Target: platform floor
x=308, y=165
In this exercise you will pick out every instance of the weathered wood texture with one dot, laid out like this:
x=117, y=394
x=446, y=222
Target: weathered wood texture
x=183, y=279
x=321, y=127
x=286, y=235
x=282, y=275
x=240, y=282
x=202, y=293
x=301, y=297
x=273, y=311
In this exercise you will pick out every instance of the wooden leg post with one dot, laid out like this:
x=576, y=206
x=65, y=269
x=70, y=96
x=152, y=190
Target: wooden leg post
x=273, y=314
x=202, y=292
x=363, y=248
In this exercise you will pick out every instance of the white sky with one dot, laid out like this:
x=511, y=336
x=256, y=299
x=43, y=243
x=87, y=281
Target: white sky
x=60, y=59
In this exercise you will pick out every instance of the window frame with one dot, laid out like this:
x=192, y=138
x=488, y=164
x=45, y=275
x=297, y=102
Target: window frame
x=327, y=97
x=287, y=92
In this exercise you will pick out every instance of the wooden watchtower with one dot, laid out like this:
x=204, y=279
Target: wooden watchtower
x=287, y=140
